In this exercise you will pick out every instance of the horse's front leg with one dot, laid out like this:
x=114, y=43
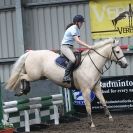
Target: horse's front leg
x=86, y=95
x=101, y=98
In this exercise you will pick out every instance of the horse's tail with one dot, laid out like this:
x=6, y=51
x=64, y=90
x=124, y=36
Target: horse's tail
x=14, y=79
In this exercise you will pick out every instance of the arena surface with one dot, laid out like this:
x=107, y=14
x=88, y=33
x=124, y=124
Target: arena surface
x=123, y=123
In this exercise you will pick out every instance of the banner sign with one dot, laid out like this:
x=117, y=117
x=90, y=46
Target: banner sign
x=118, y=93
x=111, y=18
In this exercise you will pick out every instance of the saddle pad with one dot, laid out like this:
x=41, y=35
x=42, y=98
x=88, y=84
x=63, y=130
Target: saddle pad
x=62, y=61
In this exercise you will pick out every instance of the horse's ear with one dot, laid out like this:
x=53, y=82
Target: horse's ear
x=115, y=42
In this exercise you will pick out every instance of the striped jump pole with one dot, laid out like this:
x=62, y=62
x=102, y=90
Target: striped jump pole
x=40, y=105
x=22, y=107
x=35, y=99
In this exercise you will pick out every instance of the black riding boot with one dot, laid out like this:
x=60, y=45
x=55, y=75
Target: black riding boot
x=67, y=77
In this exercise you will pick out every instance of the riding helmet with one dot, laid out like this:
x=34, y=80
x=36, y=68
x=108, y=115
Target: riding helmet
x=78, y=18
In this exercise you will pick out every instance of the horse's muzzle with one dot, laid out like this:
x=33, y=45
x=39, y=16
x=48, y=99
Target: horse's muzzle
x=123, y=65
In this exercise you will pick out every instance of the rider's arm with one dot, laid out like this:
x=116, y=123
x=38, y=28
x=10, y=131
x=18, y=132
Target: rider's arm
x=77, y=39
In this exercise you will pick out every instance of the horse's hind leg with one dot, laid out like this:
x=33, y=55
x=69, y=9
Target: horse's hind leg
x=86, y=93
x=25, y=85
x=24, y=88
x=101, y=98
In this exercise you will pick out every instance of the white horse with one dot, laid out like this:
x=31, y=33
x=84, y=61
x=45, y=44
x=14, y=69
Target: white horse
x=35, y=64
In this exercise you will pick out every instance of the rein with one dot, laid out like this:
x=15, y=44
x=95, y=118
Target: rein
x=107, y=58
x=107, y=68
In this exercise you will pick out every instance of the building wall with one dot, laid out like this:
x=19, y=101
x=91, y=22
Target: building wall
x=10, y=49
x=44, y=26
x=4, y=3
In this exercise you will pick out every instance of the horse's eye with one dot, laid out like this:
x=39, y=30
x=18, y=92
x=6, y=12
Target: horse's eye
x=117, y=52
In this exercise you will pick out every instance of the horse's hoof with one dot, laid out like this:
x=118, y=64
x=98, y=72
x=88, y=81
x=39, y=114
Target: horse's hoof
x=93, y=126
x=111, y=119
x=19, y=94
x=23, y=92
x=26, y=91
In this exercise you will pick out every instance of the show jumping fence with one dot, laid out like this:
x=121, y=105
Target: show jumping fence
x=37, y=110
x=24, y=113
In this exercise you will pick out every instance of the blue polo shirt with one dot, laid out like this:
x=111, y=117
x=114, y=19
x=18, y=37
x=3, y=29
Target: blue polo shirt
x=69, y=35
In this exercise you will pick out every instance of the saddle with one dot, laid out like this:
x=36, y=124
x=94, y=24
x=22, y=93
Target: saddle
x=62, y=60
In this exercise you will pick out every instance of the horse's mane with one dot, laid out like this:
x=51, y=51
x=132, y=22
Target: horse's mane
x=99, y=44
x=102, y=43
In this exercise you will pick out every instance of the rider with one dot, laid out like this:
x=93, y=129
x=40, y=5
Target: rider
x=71, y=35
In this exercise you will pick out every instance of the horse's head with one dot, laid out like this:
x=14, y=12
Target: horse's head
x=117, y=55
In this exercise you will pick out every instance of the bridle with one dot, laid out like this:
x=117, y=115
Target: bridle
x=107, y=58
x=117, y=59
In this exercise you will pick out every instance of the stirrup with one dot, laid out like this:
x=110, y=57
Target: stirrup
x=67, y=79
